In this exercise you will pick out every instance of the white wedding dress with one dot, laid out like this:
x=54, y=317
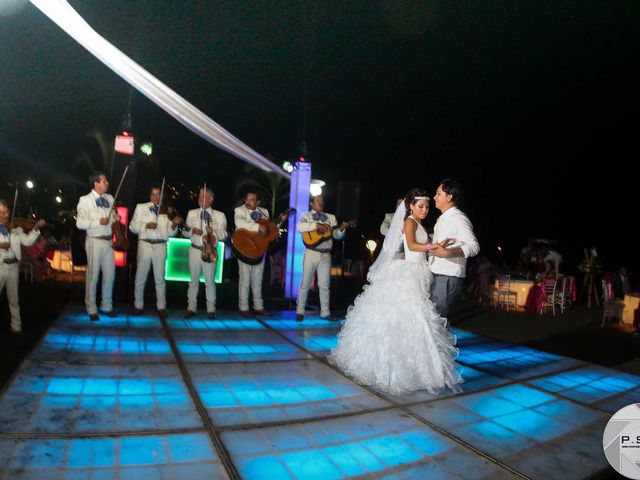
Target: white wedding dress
x=393, y=339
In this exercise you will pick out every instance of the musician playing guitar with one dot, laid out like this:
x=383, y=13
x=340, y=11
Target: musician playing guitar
x=246, y=217
x=318, y=257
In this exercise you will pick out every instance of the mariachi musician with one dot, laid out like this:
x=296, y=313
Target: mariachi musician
x=205, y=226
x=94, y=214
x=11, y=242
x=318, y=257
x=153, y=227
x=246, y=216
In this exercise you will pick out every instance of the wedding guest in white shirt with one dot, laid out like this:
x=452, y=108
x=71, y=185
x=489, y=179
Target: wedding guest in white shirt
x=384, y=227
x=449, y=264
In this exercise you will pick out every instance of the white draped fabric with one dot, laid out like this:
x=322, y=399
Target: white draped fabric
x=71, y=22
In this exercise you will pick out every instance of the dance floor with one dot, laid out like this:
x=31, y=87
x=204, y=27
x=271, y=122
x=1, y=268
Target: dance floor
x=137, y=398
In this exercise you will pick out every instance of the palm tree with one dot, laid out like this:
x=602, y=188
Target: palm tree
x=84, y=164
x=146, y=166
x=272, y=187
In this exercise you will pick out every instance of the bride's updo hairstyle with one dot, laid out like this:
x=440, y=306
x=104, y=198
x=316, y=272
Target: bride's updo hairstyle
x=411, y=198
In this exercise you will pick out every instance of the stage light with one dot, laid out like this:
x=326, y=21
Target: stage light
x=315, y=187
x=58, y=199
x=371, y=246
x=147, y=148
x=499, y=248
x=124, y=144
x=29, y=184
x=287, y=166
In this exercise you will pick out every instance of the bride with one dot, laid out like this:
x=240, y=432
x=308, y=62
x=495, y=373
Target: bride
x=393, y=339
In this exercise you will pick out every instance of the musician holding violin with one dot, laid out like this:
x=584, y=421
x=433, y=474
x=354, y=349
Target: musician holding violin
x=11, y=242
x=152, y=223
x=95, y=214
x=205, y=226
x=318, y=256
x=247, y=217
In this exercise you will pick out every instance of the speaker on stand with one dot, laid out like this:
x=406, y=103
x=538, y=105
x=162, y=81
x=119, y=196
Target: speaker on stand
x=348, y=208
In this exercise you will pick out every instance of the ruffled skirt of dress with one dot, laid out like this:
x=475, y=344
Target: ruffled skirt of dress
x=394, y=340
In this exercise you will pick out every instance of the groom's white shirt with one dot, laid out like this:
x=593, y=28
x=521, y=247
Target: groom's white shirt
x=456, y=225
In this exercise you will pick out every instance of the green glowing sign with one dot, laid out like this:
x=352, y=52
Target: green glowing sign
x=177, y=266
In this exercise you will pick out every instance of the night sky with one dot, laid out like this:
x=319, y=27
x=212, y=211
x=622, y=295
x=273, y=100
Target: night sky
x=512, y=98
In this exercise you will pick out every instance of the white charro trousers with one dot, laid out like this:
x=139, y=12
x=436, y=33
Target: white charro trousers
x=320, y=261
x=10, y=279
x=250, y=278
x=151, y=254
x=196, y=267
x=100, y=257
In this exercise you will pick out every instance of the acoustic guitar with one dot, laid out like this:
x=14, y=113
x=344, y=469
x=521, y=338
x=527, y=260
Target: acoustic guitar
x=249, y=246
x=315, y=238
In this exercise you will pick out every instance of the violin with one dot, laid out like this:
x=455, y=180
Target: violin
x=209, y=242
x=171, y=213
x=120, y=238
x=26, y=224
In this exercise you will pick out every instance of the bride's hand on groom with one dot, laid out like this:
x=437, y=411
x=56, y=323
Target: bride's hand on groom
x=440, y=249
x=447, y=242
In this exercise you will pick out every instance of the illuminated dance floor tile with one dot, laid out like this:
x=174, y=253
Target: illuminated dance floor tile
x=186, y=456
x=473, y=380
x=96, y=398
x=235, y=346
x=311, y=322
x=371, y=445
x=534, y=432
x=512, y=361
x=217, y=324
x=603, y=388
x=276, y=392
x=104, y=345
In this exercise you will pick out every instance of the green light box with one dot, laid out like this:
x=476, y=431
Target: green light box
x=177, y=265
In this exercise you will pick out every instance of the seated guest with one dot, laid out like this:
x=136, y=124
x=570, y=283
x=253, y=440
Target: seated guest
x=549, y=272
x=36, y=255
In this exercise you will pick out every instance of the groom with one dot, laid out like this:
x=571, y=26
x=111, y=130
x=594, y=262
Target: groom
x=449, y=264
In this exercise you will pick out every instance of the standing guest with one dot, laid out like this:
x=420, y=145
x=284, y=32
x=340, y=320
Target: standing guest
x=621, y=283
x=246, y=217
x=153, y=230
x=94, y=215
x=553, y=256
x=386, y=223
x=11, y=242
x=200, y=222
x=318, y=258
x=449, y=265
